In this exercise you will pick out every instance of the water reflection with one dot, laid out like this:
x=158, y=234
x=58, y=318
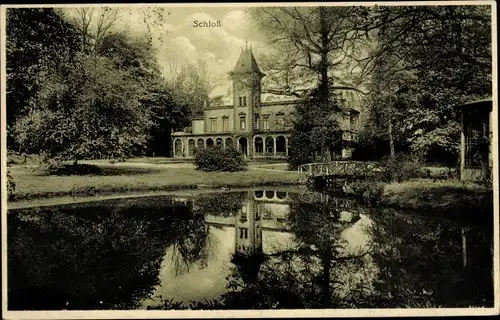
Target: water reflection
x=249, y=249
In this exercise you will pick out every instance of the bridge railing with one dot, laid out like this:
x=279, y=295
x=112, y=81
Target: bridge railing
x=340, y=168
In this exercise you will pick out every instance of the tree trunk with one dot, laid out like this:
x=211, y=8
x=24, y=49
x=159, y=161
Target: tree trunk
x=391, y=140
x=324, y=81
x=325, y=281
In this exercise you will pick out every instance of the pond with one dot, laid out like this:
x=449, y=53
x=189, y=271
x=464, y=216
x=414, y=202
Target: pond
x=246, y=249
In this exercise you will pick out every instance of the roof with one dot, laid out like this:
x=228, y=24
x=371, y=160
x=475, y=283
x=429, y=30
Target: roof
x=246, y=63
x=476, y=103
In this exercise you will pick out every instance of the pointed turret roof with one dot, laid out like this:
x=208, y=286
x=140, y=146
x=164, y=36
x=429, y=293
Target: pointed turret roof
x=246, y=63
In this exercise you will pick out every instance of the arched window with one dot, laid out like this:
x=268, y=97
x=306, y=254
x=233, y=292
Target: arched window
x=258, y=145
x=191, y=146
x=243, y=146
x=219, y=142
x=178, y=148
x=200, y=144
x=281, y=145
x=229, y=143
x=269, y=146
x=210, y=142
x=281, y=195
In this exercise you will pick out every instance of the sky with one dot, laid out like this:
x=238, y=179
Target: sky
x=177, y=39
x=219, y=47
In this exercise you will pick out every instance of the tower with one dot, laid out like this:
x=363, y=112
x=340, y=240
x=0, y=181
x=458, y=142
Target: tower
x=248, y=232
x=246, y=77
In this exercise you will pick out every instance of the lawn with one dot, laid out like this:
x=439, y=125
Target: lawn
x=127, y=178
x=451, y=198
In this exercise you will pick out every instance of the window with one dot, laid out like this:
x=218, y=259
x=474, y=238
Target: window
x=243, y=123
x=280, y=119
x=213, y=125
x=265, y=123
x=243, y=233
x=225, y=124
x=243, y=101
x=257, y=122
x=354, y=125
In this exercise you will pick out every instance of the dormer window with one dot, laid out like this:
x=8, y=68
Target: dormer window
x=242, y=101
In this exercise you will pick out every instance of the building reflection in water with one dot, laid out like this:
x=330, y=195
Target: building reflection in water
x=248, y=228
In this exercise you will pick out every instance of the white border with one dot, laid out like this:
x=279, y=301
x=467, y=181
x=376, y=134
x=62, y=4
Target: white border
x=265, y=313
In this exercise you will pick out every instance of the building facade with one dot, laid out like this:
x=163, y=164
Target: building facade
x=476, y=141
x=258, y=129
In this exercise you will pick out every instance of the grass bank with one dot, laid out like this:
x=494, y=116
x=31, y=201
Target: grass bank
x=123, y=178
x=450, y=198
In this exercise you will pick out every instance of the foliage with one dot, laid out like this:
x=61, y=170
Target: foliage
x=104, y=255
x=217, y=158
x=442, y=60
x=36, y=39
x=403, y=167
x=56, y=168
x=311, y=46
x=92, y=112
x=368, y=191
x=300, y=150
x=11, y=185
x=420, y=262
x=316, y=130
x=307, y=43
x=95, y=89
x=221, y=204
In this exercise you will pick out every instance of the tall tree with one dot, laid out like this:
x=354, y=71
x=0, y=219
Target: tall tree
x=95, y=23
x=313, y=45
x=37, y=39
x=441, y=56
x=92, y=111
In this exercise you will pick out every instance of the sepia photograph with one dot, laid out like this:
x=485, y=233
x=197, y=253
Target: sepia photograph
x=249, y=159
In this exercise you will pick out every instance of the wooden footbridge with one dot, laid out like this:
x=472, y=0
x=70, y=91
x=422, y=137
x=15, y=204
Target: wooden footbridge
x=329, y=172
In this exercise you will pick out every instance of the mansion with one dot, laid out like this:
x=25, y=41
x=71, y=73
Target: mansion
x=258, y=129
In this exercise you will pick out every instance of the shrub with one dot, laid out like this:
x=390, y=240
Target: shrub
x=403, y=167
x=53, y=167
x=11, y=186
x=221, y=204
x=217, y=158
x=449, y=173
x=369, y=191
x=301, y=150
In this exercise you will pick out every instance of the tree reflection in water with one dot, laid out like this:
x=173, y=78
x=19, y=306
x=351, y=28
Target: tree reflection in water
x=421, y=262
x=407, y=260
x=306, y=276
x=104, y=255
x=107, y=255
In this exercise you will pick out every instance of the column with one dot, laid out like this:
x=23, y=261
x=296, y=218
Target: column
x=274, y=146
x=185, y=147
x=462, y=144
x=172, y=147
x=286, y=146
